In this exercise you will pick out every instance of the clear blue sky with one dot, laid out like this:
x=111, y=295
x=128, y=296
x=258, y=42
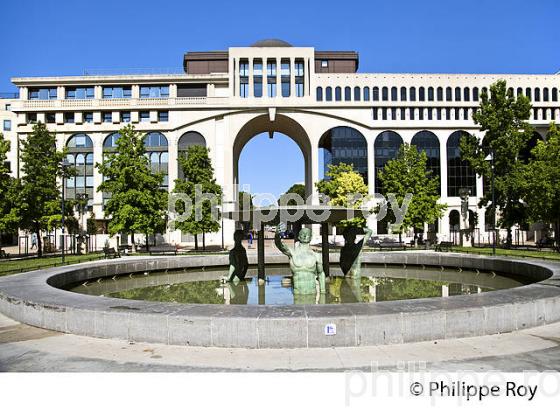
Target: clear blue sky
x=65, y=37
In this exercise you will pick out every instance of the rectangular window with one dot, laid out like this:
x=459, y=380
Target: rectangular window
x=125, y=116
x=271, y=78
x=117, y=92
x=144, y=116
x=7, y=125
x=79, y=93
x=324, y=63
x=8, y=107
x=107, y=117
x=163, y=116
x=299, y=70
x=50, y=118
x=42, y=93
x=154, y=91
x=258, y=78
x=69, y=118
x=32, y=118
x=88, y=117
x=244, y=79
x=285, y=74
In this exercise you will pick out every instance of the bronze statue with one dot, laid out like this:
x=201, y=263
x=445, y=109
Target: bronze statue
x=350, y=262
x=305, y=264
x=238, y=262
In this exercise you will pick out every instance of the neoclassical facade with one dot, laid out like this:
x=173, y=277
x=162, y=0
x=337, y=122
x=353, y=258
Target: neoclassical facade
x=317, y=98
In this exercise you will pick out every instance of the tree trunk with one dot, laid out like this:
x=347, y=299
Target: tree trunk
x=39, y=242
x=400, y=237
x=203, y=240
x=196, y=242
x=509, y=238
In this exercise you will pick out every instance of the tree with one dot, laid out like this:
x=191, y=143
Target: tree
x=137, y=201
x=245, y=199
x=344, y=187
x=298, y=189
x=39, y=192
x=542, y=182
x=199, y=174
x=8, y=192
x=408, y=173
x=503, y=117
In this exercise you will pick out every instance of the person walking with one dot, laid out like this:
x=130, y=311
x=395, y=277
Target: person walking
x=250, y=239
x=34, y=241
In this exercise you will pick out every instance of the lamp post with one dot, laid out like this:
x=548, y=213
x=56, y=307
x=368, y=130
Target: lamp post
x=65, y=164
x=490, y=158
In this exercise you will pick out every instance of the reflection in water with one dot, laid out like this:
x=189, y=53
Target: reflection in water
x=276, y=291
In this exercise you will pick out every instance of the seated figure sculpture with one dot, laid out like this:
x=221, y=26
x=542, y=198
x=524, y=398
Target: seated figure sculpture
x=305, y=264
x=350, y=261
x=238, y=262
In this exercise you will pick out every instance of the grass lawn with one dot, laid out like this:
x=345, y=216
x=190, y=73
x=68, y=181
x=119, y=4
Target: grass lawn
x=8, y=267
x=551, y=255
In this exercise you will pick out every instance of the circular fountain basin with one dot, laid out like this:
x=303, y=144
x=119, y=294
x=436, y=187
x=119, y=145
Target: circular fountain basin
x=523, y=294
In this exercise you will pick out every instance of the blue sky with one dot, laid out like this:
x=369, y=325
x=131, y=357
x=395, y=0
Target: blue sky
x=65, y=37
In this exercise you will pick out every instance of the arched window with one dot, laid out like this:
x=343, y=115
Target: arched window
x=459, y=173
x=386, y=148
x=110, y=142
x=338, y=94
x=345, y=145
x=428, y=142
x=357, y=92
x=421, y=94
x=475, y=93
x=448, y=94
x=394, y=94
x=519, y=91
x=537, y=94
x=155, y=144
x=528, y=93
x=430, y=93
x=80, y=157
x=466, y=94
x=319, y=93
x=457, y=93
x=546, y=96
x=555, y=94
x=375, y=94
x=328, y=94
x=385, y=94
x=347, y=94
x=366, y=93
x=510, y=91
x=485, y=91
x=440, y=93
x=412, y=94
x=185, y=141
x=403, y=93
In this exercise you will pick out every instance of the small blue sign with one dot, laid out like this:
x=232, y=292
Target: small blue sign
x=330, y=329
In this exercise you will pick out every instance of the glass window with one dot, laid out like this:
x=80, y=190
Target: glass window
x=271, y=79
x=545, y=94
x=366, y=93
x=375, y=94
x=144, y=116
x=69, y=117
x=319, y=91
x=403, y=93
x=448, y=94
x=459, y=173
x=258, y=78
x=385, y=94
x=421, y=94
x=412, y=94
x=537, y=94
x=467, y=94
x=338, y=94
x=394, y=92
x=50, y=117
x=43, y=93
x=285, y=77
x=7, y=125
x=324, y=63
x=156, y=151
x=357, y=92
x=457, y=94
x=117, y=92
x=347, y=93
x=475, y=94
x=386, y=148
x=80, y=157
x=345, y=145
x=125, y=116
x=79, y=93
x=430, y=93
x=31, y=118
x=428, y=142
x=440, y=93
x=328, y=94
x=107, y=116
x=163, y=116
x=154, y=91
x=88, y=116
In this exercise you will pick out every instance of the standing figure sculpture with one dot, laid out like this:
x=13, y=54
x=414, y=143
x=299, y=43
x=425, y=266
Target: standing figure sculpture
x=238, y=262
x=350, y=261
x=305, y=264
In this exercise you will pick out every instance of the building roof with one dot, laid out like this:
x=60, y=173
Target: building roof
x=271, y=42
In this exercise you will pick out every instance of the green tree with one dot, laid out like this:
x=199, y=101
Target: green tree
x=199, y=174
x=298, y=189
x=137, y=201
x=408, y=173
x=39, y=193
x=542, y=182
x=344, y=187
x=503, y=117
x=245, y=199
x=8, y=192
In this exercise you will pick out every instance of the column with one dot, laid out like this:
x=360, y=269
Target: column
x=292, y=77
x=97, y=177
x=172, y=166
x=306, y=76
x=443, y=166
x=314, y=172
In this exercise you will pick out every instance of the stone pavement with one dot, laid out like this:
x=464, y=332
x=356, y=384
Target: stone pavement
x=27, y=349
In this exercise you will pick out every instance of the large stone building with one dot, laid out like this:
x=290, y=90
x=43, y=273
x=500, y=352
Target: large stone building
x=318, y=98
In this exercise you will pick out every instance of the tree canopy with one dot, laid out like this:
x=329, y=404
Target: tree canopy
x=137, y=201
x=9, y=218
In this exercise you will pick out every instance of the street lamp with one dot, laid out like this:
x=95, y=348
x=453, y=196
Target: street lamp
x=490, y=158
x=65, y=165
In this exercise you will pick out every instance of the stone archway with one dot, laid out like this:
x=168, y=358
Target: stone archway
x=281, y=124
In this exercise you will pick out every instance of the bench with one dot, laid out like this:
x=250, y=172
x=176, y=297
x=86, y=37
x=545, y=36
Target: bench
x=111, y=253
x=163, y=250
x=125, y=249
x=3, y=254
x=391, y=246
x=444, y=246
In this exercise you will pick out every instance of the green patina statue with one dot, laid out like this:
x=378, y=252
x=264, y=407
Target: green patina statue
x=238, y=262
x=305, y=264
x=350, y=253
